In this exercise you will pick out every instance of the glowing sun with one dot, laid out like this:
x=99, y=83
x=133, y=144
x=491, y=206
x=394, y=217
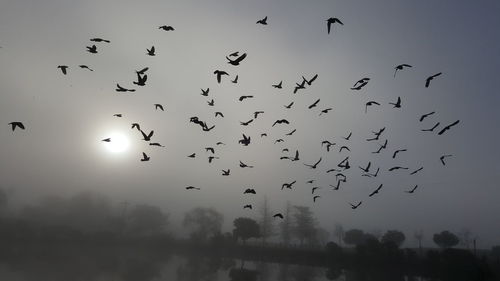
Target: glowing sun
x=118, y=143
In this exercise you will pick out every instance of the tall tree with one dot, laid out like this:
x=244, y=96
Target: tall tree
x=394, y=236
x=445, y=239
x=245, y=228
x=286, y=225
x=465, y=238
x=266, y=221
x=203, y=222
x=419, y=236
x=338, y=231
x=304, y=224
x=354, y=237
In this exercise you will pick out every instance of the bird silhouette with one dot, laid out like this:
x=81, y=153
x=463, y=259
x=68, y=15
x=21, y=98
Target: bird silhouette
x=314, y=189
x=236, y=61
x=331, y=21
x=234, y=54
x=397, y=104
x=243, y=165
x=400, y=67
x=278, y=140
x=299, y=86
x=136, y=125
x=417, y=170
x=289, y=105
x=211, y=102
x=156, y=144
x=247, y=207
x=246, y=123
x=106, y=140
x=372, y=175
x=141, y=79
x=396, y=152
x=313, y=166
x=370, y=103
x=344, y=147
x=256, y=114
x=151, y=52
x=324, y=111
x=262, y=21
x=280, y=121
x=235, y=80
x=219, y=74
x=279, y=85
x=210, y=149
x=263, y=135
x=117, y=115
x=288, y=185
x=315, y=198
x=193, y=155
x=192, y=187
x=278, y=215
x=309, y=82
x=342, y=177
x=245, y=141
x=328, y=144
x=205, y=92
x=335, y=187
x=92, y=49
x=310, y=181
x=360, y=83
x=425, y=116
x=291, y=133
x=211, y=158
x=226, y=172
x=412, y=190
x=348, y=136
x=353, y=206
x=99, y=40
x=376, y=190
x=220, y=143
x=121, y=89
x=249, y=191
x=244, y=97
x=63, y=69
x=397, y=168
x=166, y=28
x=444, y=157
x=142, y=71
x=219, y=114
x=16, y=124
x=145, y=157
x=148, y=136
x=83, y=66
x=430, y=78
x=314, y=104
x=367, y=169
x=431, y=129
x=159, y=107
x=446, y=128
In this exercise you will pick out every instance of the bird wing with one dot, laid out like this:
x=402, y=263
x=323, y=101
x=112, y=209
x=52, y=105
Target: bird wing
x=240, y=58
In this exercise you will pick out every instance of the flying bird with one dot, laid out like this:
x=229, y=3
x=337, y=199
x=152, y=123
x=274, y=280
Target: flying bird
x=247, y=207
x=243, y=165
x=313, y=166
x=288, y=185
x=278, y=215
x=211, y=102
x=217, y=113
x=99, y=40
x=148, y=136
x=262, y=21
x=348, y=136
x=210, y=149
x=396, y=152
x=417, y=170
x=249, y=191
x=443, y=157
x=246, y=123
x=331, y=21
x=314, y=104
x=309, y=82
x=425, y=115
x=219, y=74
x=235, y=80
x=367, y=169
x=63, y=69
x=314, y=189
x=141, y=79
x=324, y=111
x=136, y=125
x=106, y=140
x=278, y=86
x=448, y=127
x=376, y=190
x=16, y=124
x=192, y=187
x=245, y=141
x=234, y=54
x=83, y=66
x=280, y=121
x=360, y=83
x=430, y=78
x=92, y=49
x=355, y=206
x=142, y=71
x=400, y=67
x=244, y=97
x=412, y=190
x=145, y=157
x=291, y=133
x=289, y=105
x=205, y=92
x=431, y=129
x=236, y=61
x=211, y=158
x=166, y=28
x=344, y=147
x=159, y=106
x=121, y=89
x=151, y=52
x=226, y=172
x=256, y=114
x=156, y=144
x=316, y=197
x=397, y=104
x=370, y=103
x=192, y=155
x=117, y=115
x=397, y=168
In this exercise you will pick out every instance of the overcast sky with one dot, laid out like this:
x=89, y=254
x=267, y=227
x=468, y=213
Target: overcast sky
x=67, y=116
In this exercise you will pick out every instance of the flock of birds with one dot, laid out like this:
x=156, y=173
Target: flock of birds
x=237, y=58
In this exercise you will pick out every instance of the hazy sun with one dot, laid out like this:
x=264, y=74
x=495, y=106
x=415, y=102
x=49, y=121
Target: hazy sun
x=119, y=143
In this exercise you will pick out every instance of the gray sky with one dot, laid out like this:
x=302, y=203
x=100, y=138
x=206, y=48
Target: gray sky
x=67, y=116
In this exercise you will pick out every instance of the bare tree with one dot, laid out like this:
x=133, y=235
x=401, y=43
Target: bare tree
x=305, y=224
x=203, y=222
x=266, y=221
x=419, y=236
x=338, y=231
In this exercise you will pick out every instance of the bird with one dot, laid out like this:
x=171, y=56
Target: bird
x=370, y=103
x=291, y=133
x=278, y=86
x=309, y=82
x=288, y=185
x=193, y=155
x=117, y=115
x=205, y=92
x=142, y=71
x=249, y=191
x=210, y=149
x=166, y=28
x=245, y=141
x=220, y=143
x=342, y=176
x=400, y=67
x=324, y=111
x=299, y=86
x=246, y=123
x=148, y=136
x=331, y=21
x=16, y=124
x=443, y=157
x=262, y=21
x=151, y=52
x=278, y=140
x=256, y=113
x=316, y=197
x=83, y=66
x=396, y=152
x=244, y=97
x=310, y=181
x=355, y=206
x=397, y=104
x=226, y=172
x=159, y=106
x=145, y=157
x=92, y=49
x=121, y=89
x=446, y=128
x=156, y=144
x=211, y=102
x=328, y=144
x=367, y=169
x=236, y=61
x=235, y=80
x=280, y=121
x=289, y=105
x=218, y=113
x=376, y=190
x=314, y=104
x=412, y=190
x=348, y=136
x=430, y=78
x=335, y=187
x=372, y=175
x=211, y=158
x=98, y=40
x=243, y=165
x=360, y=83
x=278, y=215
x=263, y=135
x=106, y=140
x=313, y=166
x=397, y=168
x=141, y=79
x=192, y=187
x=314, y=189
x=344, y=147
x=417, y=170
x=247, y=207
x=425, y=115
x=63, y=69
x=219, y=74
x=136, y=125
x=431, y=129
x=234, y=54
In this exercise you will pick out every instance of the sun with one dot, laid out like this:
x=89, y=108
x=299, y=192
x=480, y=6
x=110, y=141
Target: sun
x=118, y=143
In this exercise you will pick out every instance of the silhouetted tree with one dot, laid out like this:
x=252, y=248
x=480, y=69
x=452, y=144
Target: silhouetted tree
x=339, y=232
x=245, y=228
x=203, y=222
x=266, y=221
x=147, y=220
x=394, y=236
x=354, y=237
x=286, y=225
x=495, y=253
x=333, y=250
x=419, y=236
x=305, y=225
x=445, y=239
x=465, y=237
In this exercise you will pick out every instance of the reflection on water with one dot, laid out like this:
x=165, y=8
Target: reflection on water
x=138, y=266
